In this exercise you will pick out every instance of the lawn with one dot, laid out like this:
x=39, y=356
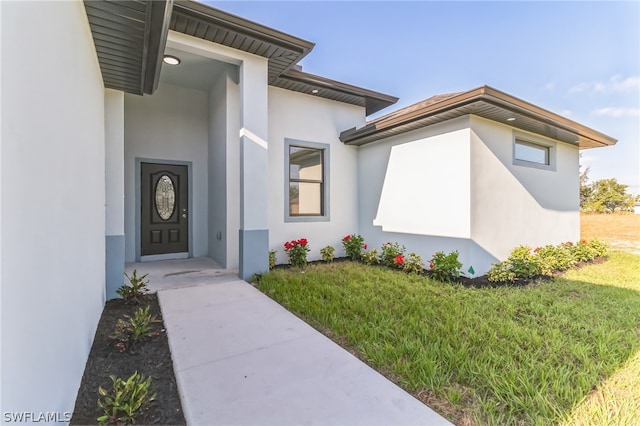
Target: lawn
x=562, y=351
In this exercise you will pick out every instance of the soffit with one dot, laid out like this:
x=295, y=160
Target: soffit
x=484, y=102
x=129, y=37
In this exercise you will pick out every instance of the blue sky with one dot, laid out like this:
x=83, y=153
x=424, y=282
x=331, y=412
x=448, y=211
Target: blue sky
x=578, y=59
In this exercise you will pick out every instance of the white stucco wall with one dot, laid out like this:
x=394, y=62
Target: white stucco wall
x=454, y=186
x=171, y=125
x=307, y=118
x=52, y=178
x=514, y=204
x=415, y=189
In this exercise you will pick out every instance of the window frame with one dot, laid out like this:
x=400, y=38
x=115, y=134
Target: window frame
x=528, y=140
x=324, y=184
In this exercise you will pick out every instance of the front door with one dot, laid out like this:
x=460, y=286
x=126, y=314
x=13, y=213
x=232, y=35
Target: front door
x=164, y=218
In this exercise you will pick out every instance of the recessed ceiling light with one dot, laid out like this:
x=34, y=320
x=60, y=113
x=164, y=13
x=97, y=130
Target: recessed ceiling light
x=171, y=60
x=314, y=91
x=511, y=119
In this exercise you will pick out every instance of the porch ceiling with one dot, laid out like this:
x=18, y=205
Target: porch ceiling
x=484, y=102
x=129, y=37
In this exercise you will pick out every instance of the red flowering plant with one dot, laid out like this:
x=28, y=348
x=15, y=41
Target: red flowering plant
x=353, y=246
x=297, y=251
x=392, y=254
x=445, y=267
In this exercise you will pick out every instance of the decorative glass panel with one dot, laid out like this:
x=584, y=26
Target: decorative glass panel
x=165, y=197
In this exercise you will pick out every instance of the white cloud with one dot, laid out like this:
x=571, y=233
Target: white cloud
x=585, y=160
x=566, y=113
x=615, y=84
x=550, y=86
x=617, y=112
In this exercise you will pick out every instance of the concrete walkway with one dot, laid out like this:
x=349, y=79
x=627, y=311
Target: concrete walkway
x=242, y=359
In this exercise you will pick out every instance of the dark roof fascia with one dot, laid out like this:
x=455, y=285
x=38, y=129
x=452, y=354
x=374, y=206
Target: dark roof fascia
x=488, y=94
x=159, y=18
x=243, y=26
x=374, y=101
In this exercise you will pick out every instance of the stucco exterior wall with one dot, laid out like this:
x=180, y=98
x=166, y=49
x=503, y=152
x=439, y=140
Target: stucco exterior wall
x=52, y=176
x=415, y=189
x=307, y=118
x=515, y=204
x=171, y=125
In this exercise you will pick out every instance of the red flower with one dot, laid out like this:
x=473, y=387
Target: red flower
x=347, y=238
x=536, y=250
x=399, y=259
x=431, y=266
x=364, y=246
x=387, y=243
x=288, y=246
x=583, y=241
x=569, y=243
x=303, y=241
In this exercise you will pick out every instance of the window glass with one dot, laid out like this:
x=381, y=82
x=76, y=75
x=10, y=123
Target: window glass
x=531, y=152
x=306, y=178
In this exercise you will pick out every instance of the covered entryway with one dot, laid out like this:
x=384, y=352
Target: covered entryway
x=164, y=214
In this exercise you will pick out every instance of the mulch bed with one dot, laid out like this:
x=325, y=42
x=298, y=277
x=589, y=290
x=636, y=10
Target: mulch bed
x=150, y=358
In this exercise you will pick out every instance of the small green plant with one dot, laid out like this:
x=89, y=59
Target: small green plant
x=370, y=257
x=124, y=403
x=501, y=272
x=413, y=264
x=445, y=267
x=327, y=253
x=297, y=251
x=552, y=259
x=272, y=258
x=523, y=262
x=392, y=254
x=132, y=330
x=353, y=246
x=600, y=248
x=135, y=291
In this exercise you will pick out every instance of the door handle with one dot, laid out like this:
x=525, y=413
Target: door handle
x=184, y=213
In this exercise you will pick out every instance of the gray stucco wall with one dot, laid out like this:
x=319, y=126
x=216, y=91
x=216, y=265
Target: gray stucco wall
x=171, y=125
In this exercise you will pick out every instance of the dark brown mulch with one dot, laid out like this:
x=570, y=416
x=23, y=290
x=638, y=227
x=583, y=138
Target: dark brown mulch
x=150, y=358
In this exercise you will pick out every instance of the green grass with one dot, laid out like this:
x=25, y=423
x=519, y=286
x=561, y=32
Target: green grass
x=532, y=355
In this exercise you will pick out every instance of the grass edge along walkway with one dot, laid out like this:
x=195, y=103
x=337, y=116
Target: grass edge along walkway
x=508, y=355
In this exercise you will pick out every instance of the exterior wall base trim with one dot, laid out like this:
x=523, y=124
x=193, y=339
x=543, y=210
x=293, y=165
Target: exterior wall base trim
x=254, y=249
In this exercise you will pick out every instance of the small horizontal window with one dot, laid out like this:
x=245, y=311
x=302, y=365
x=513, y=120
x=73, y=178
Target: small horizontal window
x=531, y=152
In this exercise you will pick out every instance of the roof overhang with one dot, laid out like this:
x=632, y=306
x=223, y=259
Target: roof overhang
x=302, y=82
x=485, y=102
x=130, y=38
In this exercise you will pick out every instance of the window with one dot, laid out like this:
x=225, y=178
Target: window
x=538, y=154
x=531, y=152
x=306, y=191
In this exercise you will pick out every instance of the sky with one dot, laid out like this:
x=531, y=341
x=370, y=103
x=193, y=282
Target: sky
x=578, y=59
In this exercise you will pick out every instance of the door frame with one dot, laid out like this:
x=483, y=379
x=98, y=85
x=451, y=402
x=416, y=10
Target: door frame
x=138, y=205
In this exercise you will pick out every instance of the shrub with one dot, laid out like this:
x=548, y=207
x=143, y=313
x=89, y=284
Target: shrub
x=552, y=259
x=600, y=248
x=445, y=267
x=523, y=262
x=353, y=246
x=370, y=257
x=501, y=272
x=413, y=264
x=132, y=330
x=392, y=254
x=327, y=253
x=125, y=401
x=272, y=258
x=297, y=251
x=135, y=291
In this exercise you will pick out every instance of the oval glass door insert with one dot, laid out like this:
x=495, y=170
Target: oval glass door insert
x=165, y=197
